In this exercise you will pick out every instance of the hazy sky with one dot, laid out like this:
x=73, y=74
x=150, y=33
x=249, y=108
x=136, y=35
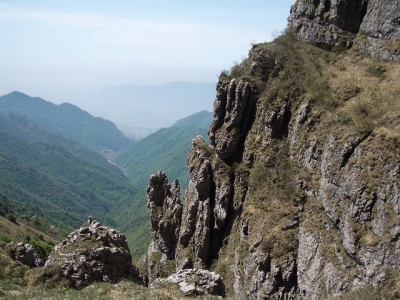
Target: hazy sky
x=62, y=50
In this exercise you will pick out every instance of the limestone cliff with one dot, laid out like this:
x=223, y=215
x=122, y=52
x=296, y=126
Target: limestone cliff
x=298, y=193
x=373, y=25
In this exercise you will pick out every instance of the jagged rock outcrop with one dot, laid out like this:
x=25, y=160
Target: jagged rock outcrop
x=194, y=282
x=27, y=255
x=297, y=195
x=338, y=24
x=208, y=200
x=185, y=241
x=233, y=111
x=92, y=253
x=163, y=201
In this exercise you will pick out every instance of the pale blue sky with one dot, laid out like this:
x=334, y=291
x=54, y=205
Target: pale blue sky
x=62, y=50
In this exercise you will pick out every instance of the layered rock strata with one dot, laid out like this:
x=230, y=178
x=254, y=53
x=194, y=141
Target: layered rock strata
x=297, y=195
x=373, y=25
x=163, y=201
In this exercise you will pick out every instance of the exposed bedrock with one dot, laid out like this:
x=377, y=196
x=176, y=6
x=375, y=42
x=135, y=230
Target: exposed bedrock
x=373, y=25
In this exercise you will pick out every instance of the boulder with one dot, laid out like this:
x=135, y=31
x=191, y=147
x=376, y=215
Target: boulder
x=194, y=282
x=92, y=253
x=27, y=255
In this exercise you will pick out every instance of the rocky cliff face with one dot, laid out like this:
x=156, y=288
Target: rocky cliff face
x=165, y=214
x=372, y=25
x=297, y=195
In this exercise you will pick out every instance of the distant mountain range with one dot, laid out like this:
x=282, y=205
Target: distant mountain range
x=141, y=110
x=66, y=120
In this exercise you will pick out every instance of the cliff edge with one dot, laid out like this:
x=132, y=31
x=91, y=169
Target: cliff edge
x=298, y=193
x=371, y=25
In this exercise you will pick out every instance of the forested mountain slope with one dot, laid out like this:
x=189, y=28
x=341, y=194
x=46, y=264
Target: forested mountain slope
x=66, y=120
x=65, y=179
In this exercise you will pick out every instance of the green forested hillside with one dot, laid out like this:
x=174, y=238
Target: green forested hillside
x=63, y=185
x=66, y=120
x=25, y=129
x=164, y=150
x=201, y=119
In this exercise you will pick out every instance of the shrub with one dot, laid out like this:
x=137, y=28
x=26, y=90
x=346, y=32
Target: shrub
x=11, y=217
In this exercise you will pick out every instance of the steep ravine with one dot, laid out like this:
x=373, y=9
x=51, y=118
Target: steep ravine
x=298, y=193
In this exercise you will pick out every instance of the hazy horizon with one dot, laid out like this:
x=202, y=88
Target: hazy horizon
x=65, y=51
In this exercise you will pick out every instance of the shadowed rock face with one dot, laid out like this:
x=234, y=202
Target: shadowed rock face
x=373, y=25
x=208, y=200
x=27, y=255
x=165, y=212
x=163, y=201
x=233, y=109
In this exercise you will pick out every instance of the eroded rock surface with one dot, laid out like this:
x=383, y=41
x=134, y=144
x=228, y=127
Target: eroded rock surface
x=194, y=238
x=338, y=24
x=27, y=255
x=92, y=253
x=194, y=282
x=163, y=200
x=233, y=113
x=297, y=195
x=208, y=201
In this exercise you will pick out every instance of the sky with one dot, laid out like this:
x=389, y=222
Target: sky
x=64, y=50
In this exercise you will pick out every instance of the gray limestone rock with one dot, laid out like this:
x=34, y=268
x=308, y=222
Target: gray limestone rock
x=233, y=110
x=26, y=254
x=92, y=253
x=163, y=201
x=194, y=237
x=338, y=24
x=194, y=282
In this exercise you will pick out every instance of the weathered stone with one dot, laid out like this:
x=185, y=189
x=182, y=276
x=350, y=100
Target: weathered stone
x=163, y=200
x=27, y=255
x=233, y=109
x=92, y=253
x=194, y=282
x=291, y=200
x=334, y=25
x=194, y=237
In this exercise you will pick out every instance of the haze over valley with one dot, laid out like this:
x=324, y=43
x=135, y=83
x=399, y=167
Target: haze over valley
x=171, y=149
x=140, y=110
